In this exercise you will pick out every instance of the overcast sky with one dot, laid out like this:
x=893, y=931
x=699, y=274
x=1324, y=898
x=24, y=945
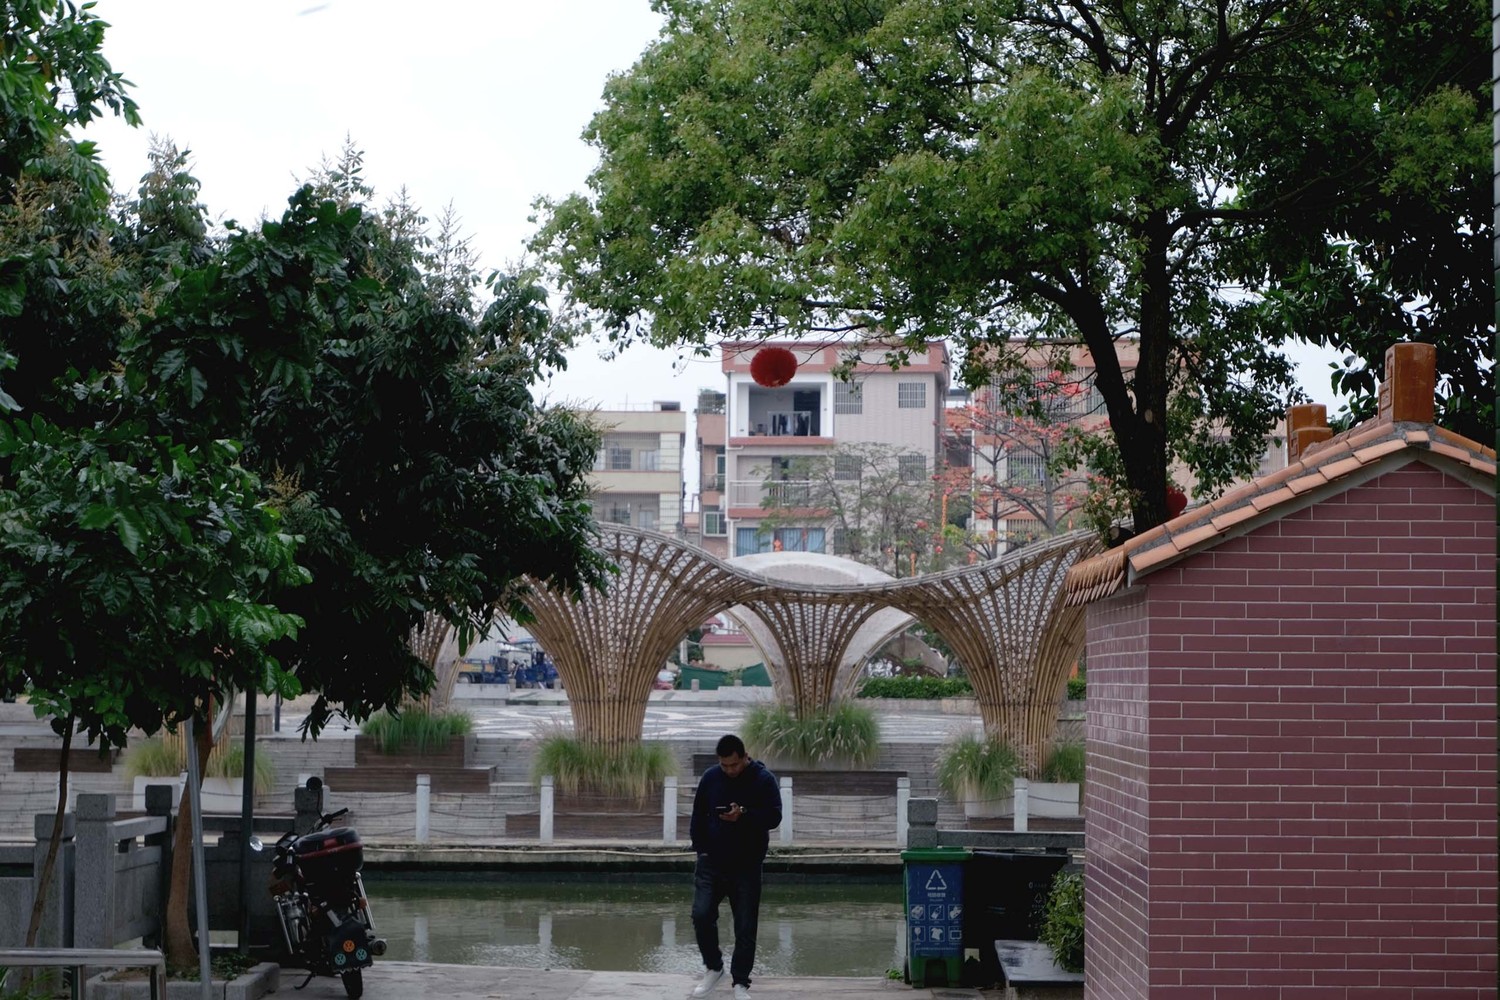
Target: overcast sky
x=477, y=104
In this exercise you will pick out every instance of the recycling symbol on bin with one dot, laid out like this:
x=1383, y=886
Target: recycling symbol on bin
x=935, y=882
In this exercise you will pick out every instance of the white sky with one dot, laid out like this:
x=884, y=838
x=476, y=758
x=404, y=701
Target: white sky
x=477, y=104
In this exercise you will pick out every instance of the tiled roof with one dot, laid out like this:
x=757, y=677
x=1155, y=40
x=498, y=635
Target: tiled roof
x=1322, y=463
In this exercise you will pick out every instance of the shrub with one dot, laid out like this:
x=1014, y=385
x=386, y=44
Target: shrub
x=1062, y=920
x=1078, y=687
x=973, y=767
x=846, y=732
x=167, y=758
x=631, y=769
x=1066, y=763
x=415, y=728
x=915, y=687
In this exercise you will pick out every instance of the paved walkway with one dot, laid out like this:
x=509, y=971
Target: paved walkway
x=411, y=980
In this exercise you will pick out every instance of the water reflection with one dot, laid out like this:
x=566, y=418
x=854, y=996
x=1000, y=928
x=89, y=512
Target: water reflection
x=840, y=929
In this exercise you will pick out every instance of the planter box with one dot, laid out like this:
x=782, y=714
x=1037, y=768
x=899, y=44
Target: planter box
x=455, y=753
x=981, y=808
x=1057, y=799
x=223, y=796
x=249, y=985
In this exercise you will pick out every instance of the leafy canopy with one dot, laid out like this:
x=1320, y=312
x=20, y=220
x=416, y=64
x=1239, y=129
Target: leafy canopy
x=1177, y=176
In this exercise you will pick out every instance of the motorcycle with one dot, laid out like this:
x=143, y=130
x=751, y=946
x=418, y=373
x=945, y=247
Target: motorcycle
x=321, y=905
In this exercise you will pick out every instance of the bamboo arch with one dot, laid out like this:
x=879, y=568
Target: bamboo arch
x=1004, y=619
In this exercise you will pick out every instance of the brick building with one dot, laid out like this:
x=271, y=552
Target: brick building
x=1291, y=726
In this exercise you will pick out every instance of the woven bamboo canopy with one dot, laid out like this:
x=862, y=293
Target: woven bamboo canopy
x=1004, y=619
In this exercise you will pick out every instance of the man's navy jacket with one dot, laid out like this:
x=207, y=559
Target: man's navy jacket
x=743, y=842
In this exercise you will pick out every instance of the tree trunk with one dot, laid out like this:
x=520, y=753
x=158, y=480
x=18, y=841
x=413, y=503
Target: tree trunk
x=39, y=901
x=182, y=954
x=1146, y=458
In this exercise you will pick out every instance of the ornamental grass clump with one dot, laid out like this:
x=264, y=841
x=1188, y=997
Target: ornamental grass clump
x=415, y=729
x=166, y=757
x=977, y=768
x=846, y=734
x=1066, y=763
x=631, y=770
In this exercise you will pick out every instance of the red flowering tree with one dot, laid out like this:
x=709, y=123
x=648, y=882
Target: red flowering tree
x=1024, y=434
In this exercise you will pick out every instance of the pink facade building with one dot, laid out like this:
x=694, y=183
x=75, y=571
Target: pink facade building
x=1291, y=786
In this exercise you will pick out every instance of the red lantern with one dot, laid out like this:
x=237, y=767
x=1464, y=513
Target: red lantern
x=1176, y=501
x=773, y=366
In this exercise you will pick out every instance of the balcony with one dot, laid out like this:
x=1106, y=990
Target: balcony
x=779, y=492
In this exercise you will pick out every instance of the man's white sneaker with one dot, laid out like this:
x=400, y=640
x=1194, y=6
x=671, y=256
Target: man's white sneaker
x=741, y=992
x=710, y=980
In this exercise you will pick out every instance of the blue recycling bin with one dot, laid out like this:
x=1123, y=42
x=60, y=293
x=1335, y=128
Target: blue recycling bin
x=934, y=915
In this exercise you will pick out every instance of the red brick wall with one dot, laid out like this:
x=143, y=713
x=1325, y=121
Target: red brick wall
x=1321, y=806
x=1115, y=789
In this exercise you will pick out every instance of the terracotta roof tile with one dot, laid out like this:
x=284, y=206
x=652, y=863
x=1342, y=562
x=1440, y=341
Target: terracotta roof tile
x=1268, y=500
x=1229, y=519
x=1340, y=468
x=1310, y=481
x=1321, y=464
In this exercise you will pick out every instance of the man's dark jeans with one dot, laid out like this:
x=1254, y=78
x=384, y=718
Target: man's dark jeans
x=740, y=884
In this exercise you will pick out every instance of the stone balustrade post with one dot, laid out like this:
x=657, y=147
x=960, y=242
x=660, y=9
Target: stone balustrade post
x=424, y=808
x=309, y=803
x=57, y=913
x=903, y=796
x=94, y=872
x=1022, y=804
x=921, y=818
x=544, y=821
x=669, y=810
x=786, y=811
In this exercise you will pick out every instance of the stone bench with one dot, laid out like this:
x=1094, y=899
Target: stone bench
x=78, y=959
x=1031, y=972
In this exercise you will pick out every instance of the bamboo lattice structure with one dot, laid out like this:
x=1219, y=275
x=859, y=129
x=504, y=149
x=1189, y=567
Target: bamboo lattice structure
x=1005, y=620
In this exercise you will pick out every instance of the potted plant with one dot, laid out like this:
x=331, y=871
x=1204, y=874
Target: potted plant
x=416, y=731
x=632, y=771
x=1059, y=791
x=165, y=757
x=845, y=737
x=980, y=772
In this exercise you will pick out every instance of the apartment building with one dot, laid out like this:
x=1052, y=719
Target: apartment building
x=750, y=446
x=638, y=472
x=1018, y=494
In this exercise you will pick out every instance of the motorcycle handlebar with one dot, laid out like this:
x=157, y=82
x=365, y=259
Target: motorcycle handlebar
x=328, y=819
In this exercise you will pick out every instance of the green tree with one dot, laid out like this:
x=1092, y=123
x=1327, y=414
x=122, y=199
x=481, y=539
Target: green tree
x=1084, y=172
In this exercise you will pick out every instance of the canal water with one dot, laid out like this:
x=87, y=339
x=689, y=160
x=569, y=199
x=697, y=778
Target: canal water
x=639, y=925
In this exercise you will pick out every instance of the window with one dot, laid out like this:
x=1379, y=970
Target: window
x=650, y=461
x=847, y=468
x=911, y=468
x=713, y=523
x=646, y=519
x=911, y=395
x=1024, y=467
x=617, y=458
x=618, y=514
x=848, y=397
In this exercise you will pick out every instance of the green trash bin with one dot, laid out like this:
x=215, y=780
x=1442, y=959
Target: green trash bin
x=934, y=915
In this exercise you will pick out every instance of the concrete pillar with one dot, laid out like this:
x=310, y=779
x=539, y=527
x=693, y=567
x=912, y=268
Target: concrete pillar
x=669, y=810
x=786, y=810
x=921, y=817
x=424, y=807
x=94, y=872
x=1022, y=805
x=544, y=821
x=903, y=796
x=57, y=913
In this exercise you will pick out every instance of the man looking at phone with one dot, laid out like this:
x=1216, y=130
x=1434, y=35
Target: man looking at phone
x=737, y=804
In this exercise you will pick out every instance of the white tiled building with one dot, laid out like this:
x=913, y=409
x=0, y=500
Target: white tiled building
x=638, y=472
x=766, y=429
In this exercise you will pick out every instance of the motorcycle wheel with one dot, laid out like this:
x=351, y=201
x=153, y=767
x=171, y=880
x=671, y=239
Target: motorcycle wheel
x=354, y=983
